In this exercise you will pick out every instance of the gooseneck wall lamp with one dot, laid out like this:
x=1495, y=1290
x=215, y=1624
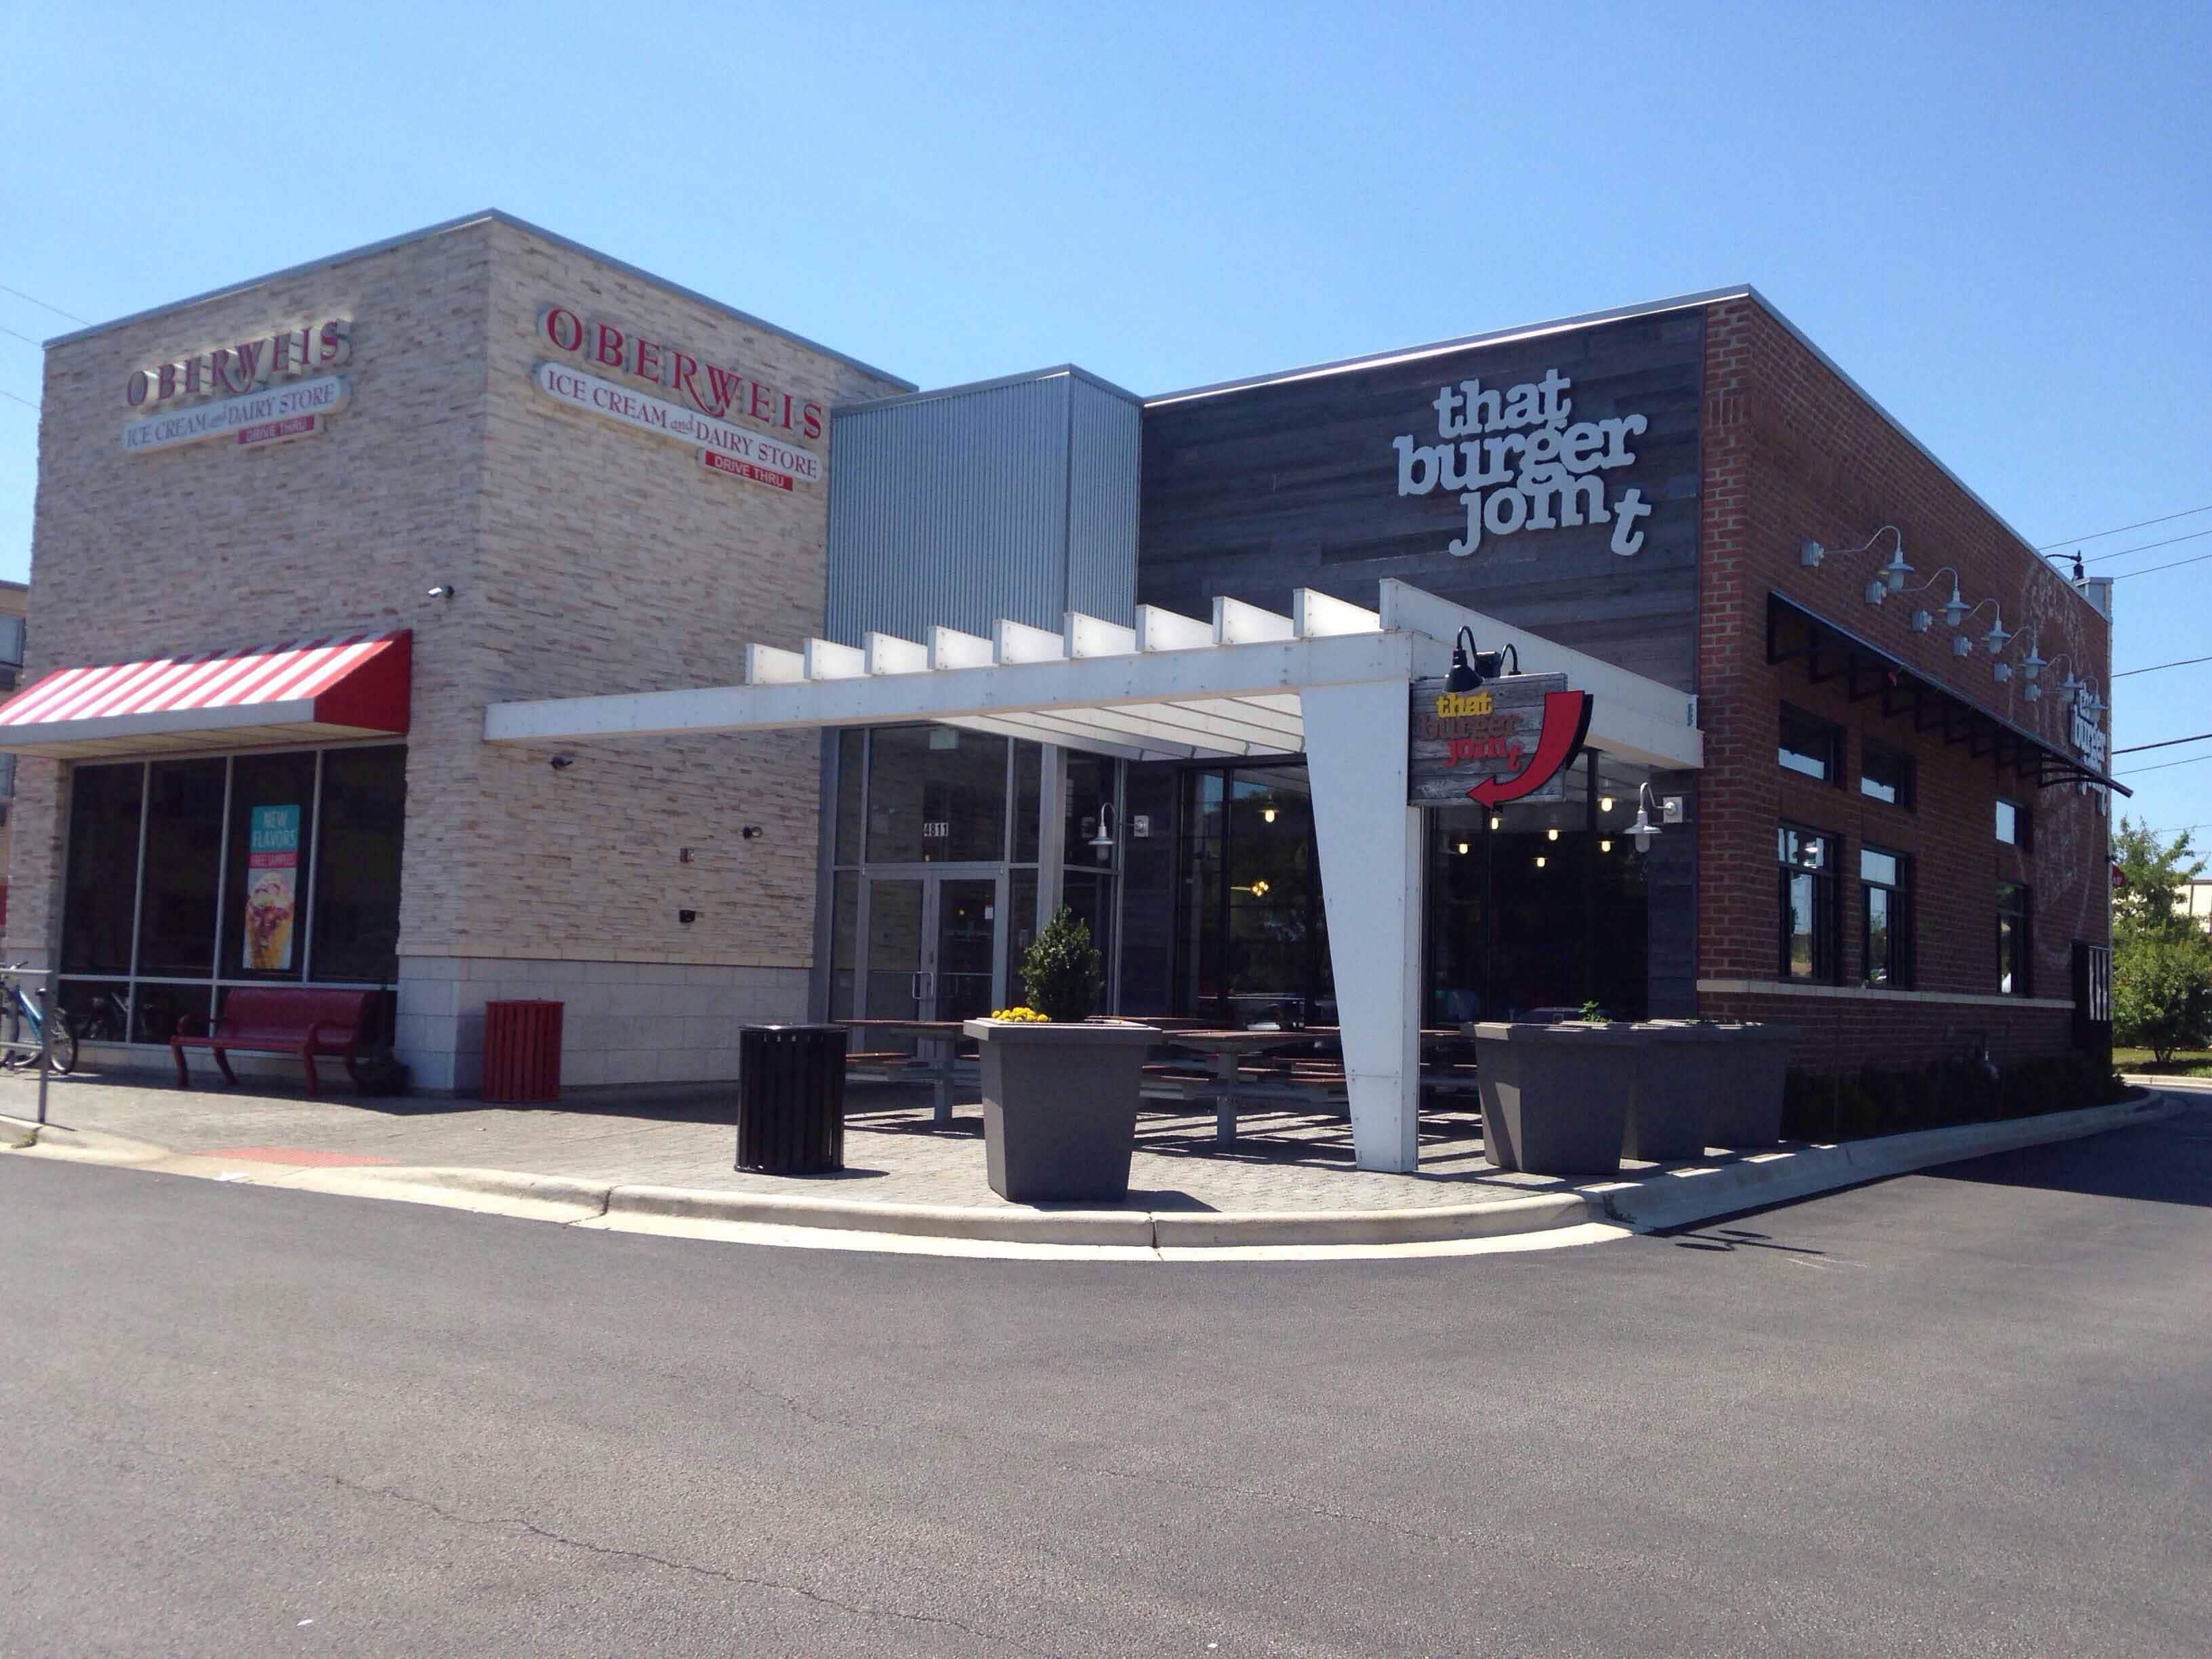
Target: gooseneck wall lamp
x=1954, y=608
x=1642, y=829
x=1889, y=578
x=1470, y=668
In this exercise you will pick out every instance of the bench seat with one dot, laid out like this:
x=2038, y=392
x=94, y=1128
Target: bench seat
x=271, y=1019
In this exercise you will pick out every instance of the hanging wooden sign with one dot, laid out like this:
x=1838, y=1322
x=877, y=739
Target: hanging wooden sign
x=1509, y=740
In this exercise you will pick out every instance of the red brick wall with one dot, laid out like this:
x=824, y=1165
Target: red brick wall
x=1791, y=452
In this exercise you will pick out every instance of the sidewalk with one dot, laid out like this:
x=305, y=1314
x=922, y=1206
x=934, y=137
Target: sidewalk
x=667, y=1152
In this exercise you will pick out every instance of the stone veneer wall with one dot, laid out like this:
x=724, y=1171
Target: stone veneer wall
x=588, y=557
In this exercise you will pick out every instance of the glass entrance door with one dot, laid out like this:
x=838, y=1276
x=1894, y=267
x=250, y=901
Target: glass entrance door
x=966, y=946
x=932, y=946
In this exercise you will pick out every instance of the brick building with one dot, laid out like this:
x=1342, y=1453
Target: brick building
x=560, y=486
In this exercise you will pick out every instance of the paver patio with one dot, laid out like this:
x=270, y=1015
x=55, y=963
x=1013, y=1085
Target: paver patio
x=682, y=1136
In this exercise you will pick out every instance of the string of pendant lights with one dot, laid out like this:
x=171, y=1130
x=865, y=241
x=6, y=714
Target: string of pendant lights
x=1889, y=580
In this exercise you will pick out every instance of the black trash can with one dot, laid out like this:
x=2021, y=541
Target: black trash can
x=791, y=1099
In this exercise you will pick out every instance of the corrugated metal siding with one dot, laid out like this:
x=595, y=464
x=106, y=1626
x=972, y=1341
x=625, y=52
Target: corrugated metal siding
x=957, y=510
x=1107, y=439
x=949, y=511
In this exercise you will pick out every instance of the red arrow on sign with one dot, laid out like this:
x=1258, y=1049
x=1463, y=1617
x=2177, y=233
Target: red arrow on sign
x=1566, y=723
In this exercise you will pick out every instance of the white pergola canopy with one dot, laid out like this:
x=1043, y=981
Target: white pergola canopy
x=1328, y=681
x=1171, y=688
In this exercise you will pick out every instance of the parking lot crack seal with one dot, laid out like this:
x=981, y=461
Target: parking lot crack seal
x=503, y=1522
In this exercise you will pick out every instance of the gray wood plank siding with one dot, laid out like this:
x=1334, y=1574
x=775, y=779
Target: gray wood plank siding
x=1295, y=484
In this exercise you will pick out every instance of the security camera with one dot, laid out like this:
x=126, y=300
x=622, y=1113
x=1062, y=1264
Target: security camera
x=442, y=590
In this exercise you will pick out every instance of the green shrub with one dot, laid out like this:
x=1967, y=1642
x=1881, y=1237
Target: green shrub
x=2162, y=994
x=1062, y=972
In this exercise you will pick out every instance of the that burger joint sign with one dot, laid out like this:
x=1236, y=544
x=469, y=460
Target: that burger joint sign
x=743, y=427
x=271, y=389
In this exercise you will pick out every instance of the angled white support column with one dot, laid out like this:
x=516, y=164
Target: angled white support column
x=1370, y=882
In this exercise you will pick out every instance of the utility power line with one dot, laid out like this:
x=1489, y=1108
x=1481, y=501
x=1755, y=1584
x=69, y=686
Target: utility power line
x=2186, y=662
x=2160, y=766
x=25, y=338
x=2140, y=524
x=2137, y=748
x=2153, y=569
x=43, y=306
x=13, y=398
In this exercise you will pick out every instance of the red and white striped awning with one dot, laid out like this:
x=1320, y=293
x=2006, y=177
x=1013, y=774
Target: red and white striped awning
x=312, y=691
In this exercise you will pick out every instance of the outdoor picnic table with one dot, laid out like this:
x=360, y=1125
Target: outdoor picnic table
x=1224, y=1049
x=936, y=1039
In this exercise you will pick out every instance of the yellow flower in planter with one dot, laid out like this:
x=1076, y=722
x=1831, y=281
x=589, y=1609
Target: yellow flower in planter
x=1022, y=1016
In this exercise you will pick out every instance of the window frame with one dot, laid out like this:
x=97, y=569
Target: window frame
x=1831, y=772
x=1825, y=955
x=2023, y=820
x=204, y=992
x=1908, y=787
x=2021, y=914
x=1900, y=930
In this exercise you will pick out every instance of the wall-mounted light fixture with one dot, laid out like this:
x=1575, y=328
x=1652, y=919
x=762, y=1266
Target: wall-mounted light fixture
x=1463, y=847
x=1103, y=841
x=1642, y=828
x=443, y=590
x=1890, y=578
x=1605, y=847
x=1540, y=860
x=1954, y=609
x=752, y=832
x=562, y=762
x=1470, y=668
x=1551, y=835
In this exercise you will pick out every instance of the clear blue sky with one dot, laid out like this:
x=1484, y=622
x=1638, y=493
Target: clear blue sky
x=1996, y=218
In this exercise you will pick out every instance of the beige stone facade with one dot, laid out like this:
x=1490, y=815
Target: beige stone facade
x=586, y=556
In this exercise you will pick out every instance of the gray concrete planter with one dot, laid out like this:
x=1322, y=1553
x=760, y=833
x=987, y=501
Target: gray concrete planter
x=1555, y=1097
x=1746, y=1104
x=1060, y=1107
x=1681, y=1068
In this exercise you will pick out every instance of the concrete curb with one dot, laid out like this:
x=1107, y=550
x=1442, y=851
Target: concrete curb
x=1683, y=1197
x=1675, y=1199
x=1422, y=1225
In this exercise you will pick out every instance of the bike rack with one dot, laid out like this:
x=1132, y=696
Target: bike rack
x=43, y=1047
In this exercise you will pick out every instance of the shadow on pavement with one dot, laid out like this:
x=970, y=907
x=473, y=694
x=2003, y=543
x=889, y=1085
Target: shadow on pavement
x=2164, y=1163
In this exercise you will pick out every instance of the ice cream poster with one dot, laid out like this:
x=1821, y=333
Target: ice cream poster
x=272, y=875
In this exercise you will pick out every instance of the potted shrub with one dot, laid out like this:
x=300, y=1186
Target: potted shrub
x=1060, y=1089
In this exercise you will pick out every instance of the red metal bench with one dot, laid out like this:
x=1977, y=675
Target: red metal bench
x=271, y=1019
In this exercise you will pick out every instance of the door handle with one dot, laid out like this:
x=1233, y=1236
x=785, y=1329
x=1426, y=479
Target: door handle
x=913, y=986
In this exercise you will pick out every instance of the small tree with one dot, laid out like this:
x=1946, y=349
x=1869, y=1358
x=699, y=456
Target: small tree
x=2162, y=994
x=1062, y=972
x=2157, y=874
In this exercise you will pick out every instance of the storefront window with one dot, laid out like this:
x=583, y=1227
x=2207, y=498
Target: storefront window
x=356, y=916
x=1886, y=935
x=1810, y=744
x=184, y=867
x=1028, y=781
x=1886, y=775
x=297, y=880
x=1809, y=904
x=852, y=776
x=272, y=798
x=2013, y=976
x=106, y=803
x=936, y=795
x=1255, y=936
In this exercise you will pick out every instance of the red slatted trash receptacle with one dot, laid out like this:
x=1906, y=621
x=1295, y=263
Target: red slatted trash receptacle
x=522, y=1052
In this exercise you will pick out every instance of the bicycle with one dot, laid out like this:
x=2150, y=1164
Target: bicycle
x=23, y=1029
